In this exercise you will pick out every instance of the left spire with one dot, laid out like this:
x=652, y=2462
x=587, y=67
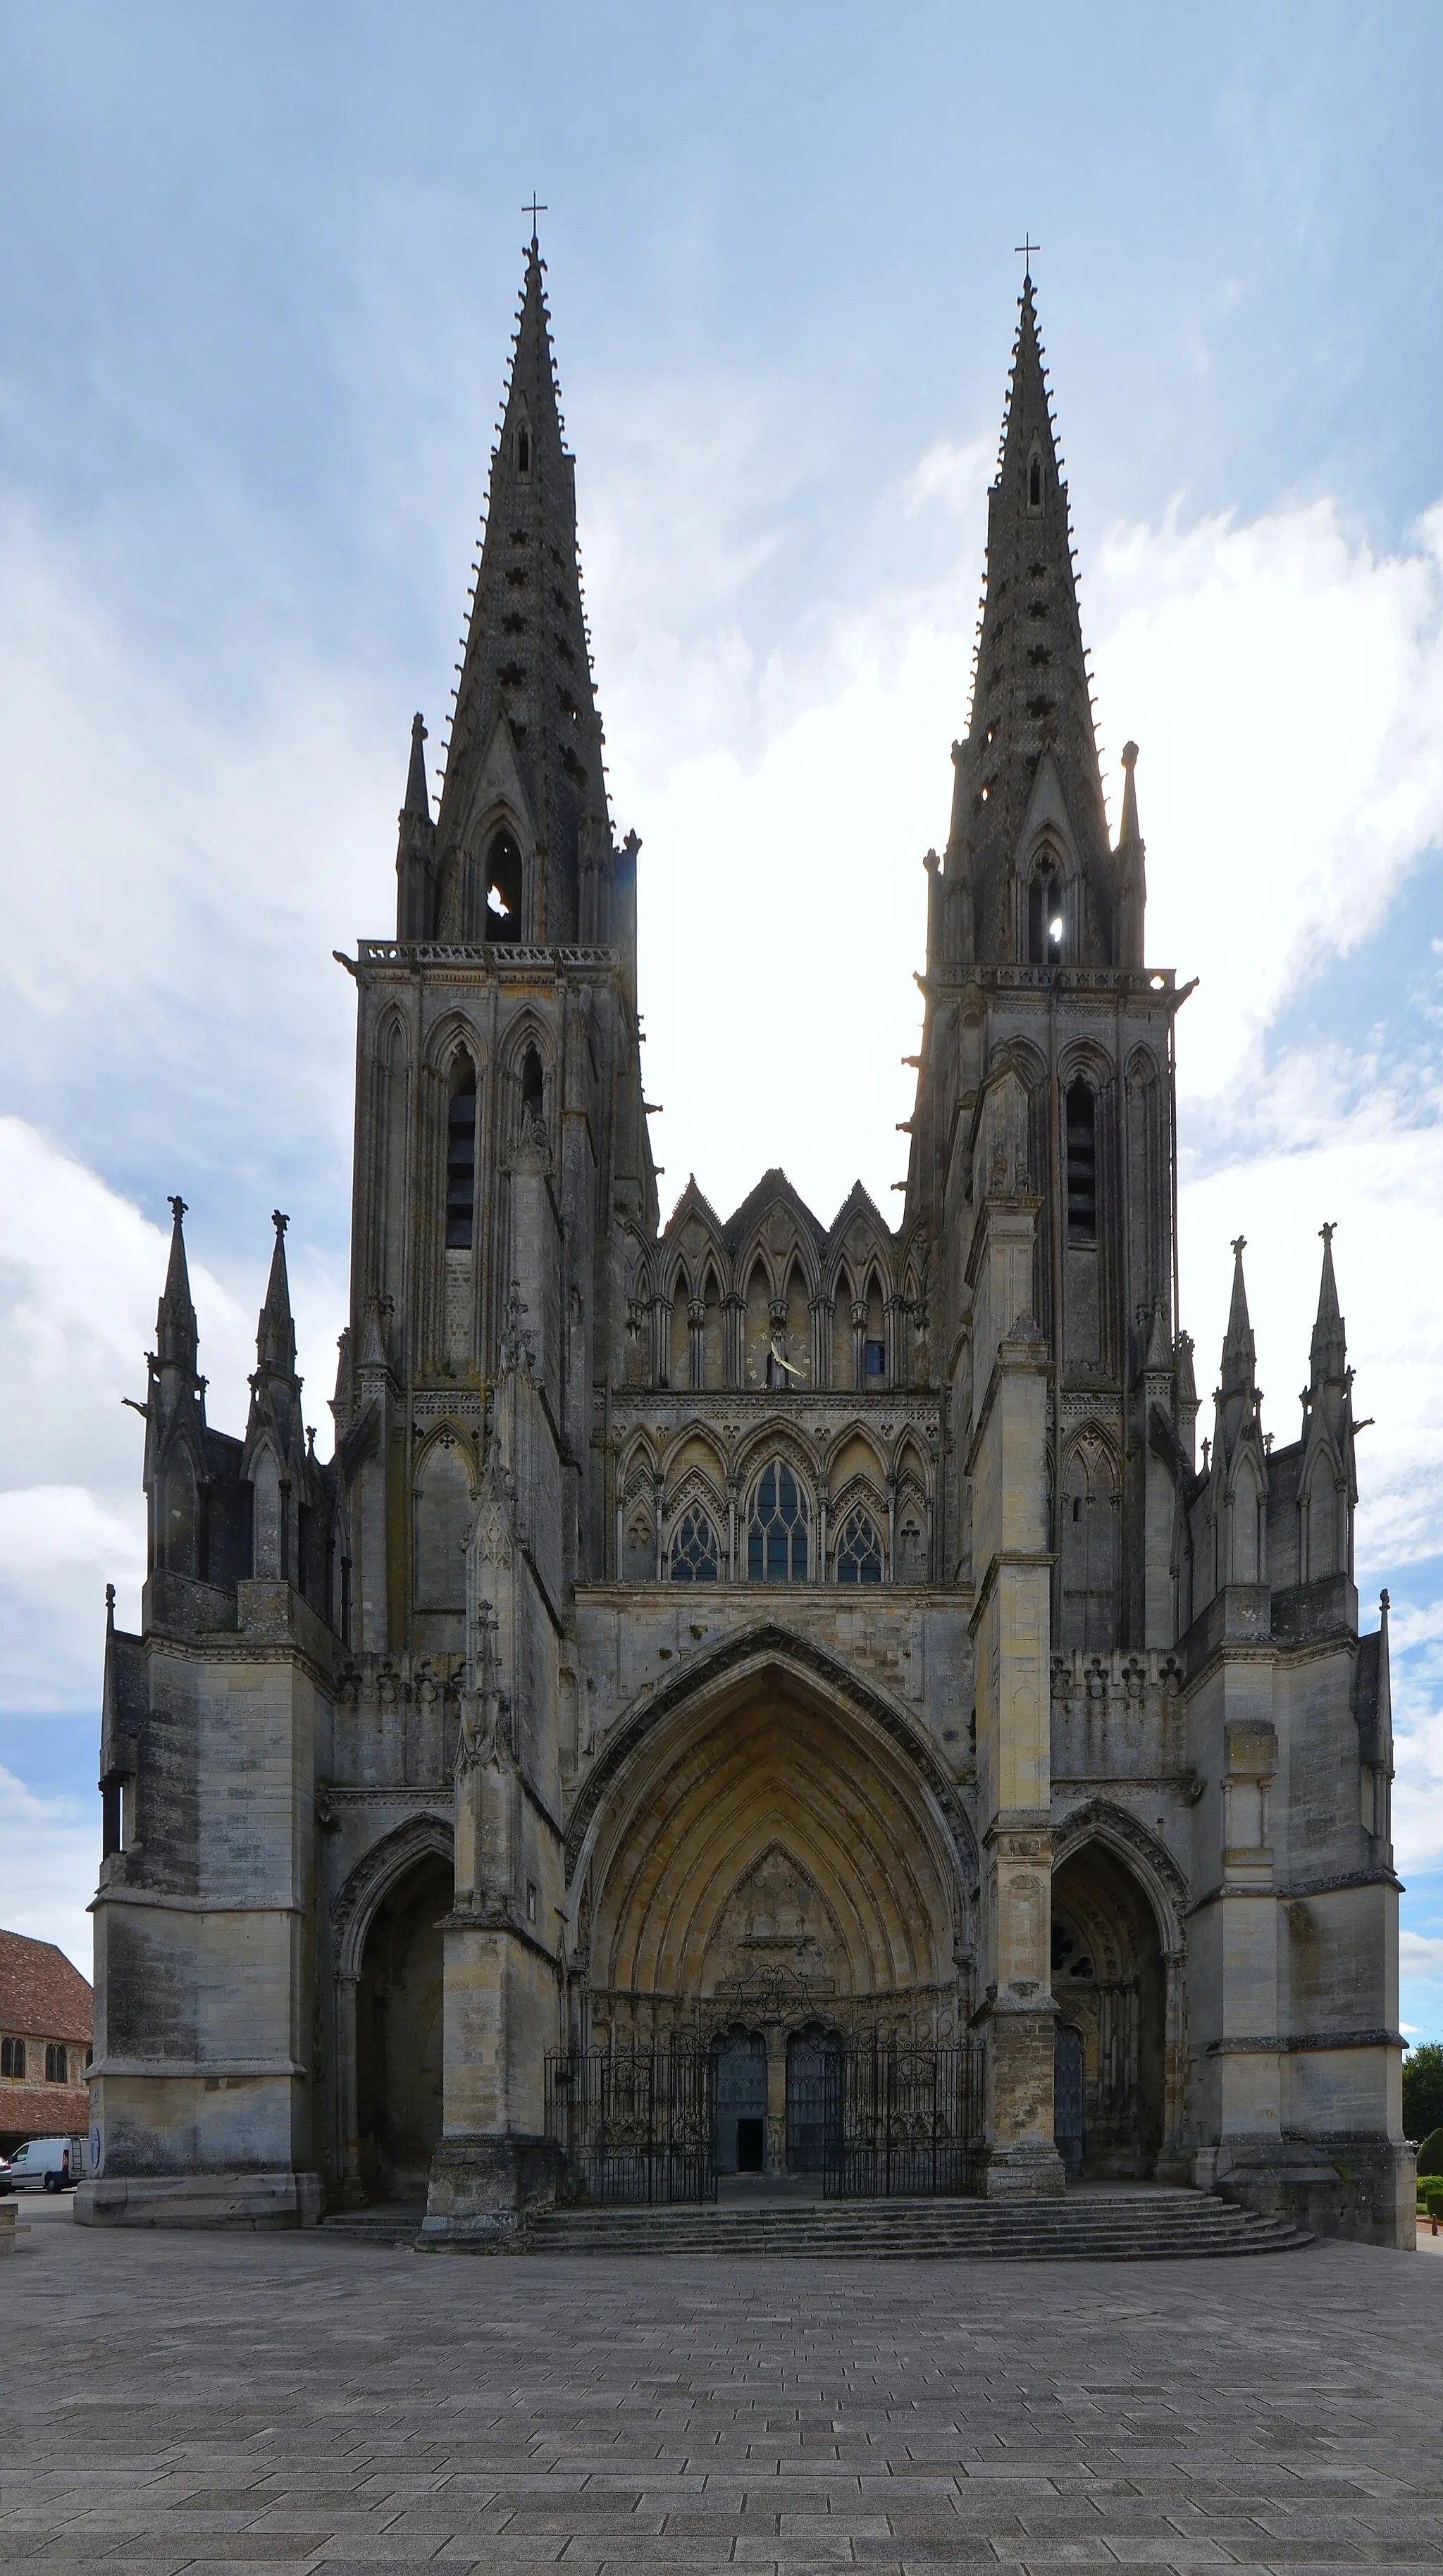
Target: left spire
x=524, y=762
x=177, y=1337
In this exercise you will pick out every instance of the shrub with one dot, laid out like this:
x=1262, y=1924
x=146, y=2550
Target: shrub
x=1430, y=2155
x=1423, y=2090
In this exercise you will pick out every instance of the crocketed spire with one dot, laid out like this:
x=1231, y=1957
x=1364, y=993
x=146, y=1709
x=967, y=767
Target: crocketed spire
x=525, y=737
x=1030, y=757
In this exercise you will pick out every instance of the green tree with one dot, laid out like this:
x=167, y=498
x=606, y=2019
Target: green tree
x=1423, y=2090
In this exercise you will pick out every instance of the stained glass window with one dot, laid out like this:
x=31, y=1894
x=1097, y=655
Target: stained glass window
x=859, y=1550
x=777, y=1535
x=695, y=1556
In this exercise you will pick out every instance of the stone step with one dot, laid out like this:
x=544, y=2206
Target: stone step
x=1110, y=2227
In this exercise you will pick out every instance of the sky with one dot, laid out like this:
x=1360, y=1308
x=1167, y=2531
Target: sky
x=258, y=270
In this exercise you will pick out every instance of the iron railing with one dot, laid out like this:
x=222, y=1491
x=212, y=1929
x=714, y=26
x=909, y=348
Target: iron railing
x=635, y=2125
x=902, y=2120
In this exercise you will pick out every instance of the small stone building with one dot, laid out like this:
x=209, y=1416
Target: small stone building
x=46, y=2021
x=728, y=1655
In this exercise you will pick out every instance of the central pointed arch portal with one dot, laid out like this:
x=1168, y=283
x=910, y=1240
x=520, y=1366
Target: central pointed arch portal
x=772, y=1864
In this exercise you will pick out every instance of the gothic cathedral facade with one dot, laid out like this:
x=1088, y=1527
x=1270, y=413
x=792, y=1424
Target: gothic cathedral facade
x=751, y=1634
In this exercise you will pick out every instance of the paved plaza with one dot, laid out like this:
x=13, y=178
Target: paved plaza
x=290, y=2404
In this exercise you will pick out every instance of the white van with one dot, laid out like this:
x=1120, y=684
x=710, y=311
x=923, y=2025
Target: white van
x=47, y=2164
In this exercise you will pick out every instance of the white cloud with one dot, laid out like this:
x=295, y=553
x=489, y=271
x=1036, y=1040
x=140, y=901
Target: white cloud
x=1420, y=1957
x=49, y=1857
x=1286, y=686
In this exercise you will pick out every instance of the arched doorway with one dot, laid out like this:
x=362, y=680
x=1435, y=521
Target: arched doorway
x=767, y=1841
x=399, y=2059
x=1109, y=1979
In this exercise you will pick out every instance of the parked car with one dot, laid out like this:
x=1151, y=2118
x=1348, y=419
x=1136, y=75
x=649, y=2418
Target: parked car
x=5, y=2183
x=47, y=2164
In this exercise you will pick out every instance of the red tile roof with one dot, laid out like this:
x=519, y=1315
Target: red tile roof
x=41, y=1995
x=42, y=2111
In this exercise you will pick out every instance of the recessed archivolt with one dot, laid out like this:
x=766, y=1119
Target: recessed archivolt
x=1144, y=1858
x=776, y=1772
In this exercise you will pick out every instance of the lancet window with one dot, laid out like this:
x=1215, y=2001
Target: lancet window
x=695, y=1556
x=859, y=1549
x=777, y=1530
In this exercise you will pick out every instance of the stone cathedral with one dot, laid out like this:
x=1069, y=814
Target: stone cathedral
x=748, y=1642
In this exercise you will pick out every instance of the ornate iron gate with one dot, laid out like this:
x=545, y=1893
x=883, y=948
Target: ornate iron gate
x=635, y=2125
x=902, y=2120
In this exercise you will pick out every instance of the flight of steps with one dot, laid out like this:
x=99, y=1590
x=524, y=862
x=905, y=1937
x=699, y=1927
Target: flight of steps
x=1115, y=2226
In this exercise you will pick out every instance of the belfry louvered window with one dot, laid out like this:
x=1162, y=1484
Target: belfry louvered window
x=1081, y=1163
x=777, y=1531
x=461, y=1164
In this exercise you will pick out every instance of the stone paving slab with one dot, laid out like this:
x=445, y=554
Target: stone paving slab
x=297, y=2406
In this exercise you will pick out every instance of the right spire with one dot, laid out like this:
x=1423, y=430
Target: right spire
x=1027, y=773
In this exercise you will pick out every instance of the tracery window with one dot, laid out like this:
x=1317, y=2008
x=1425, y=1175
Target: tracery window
x=57, y=2063
x=777, y=1532
x=12, y=2057
x=859, y=1549
x=695, y=1556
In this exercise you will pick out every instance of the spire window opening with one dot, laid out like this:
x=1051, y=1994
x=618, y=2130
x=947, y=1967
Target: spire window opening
x=1081, y=1163
x=523, y=449
x=461, y=1162
x=1046, y=920
x=503, y=888
x=1034, y=483
x=777, y=1532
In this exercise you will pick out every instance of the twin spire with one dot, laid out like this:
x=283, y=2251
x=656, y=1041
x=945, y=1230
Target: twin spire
x=1327, y=1399
x=525, y=733
x=1028, y=769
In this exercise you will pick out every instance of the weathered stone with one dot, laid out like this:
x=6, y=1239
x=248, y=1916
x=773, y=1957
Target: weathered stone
x=809, y=1642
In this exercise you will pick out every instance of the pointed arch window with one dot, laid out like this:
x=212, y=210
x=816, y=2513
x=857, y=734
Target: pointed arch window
x=523, y=449
x=503, y=887
x=695, y=1556
x=777, y=1530
x=1034, y=481
x=1045, y=919
x=1081, y=1163
x=461, y=1158
x=859, y=1549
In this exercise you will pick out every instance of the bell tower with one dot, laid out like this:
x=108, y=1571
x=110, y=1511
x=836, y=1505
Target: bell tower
x=498, y=1098
x=1042, y=1160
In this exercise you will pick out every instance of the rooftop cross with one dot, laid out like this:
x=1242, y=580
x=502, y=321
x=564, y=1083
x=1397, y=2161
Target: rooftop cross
x=1025, y=249
x=534, y=209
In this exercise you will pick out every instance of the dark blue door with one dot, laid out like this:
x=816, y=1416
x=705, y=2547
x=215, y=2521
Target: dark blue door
x=741, y=2104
